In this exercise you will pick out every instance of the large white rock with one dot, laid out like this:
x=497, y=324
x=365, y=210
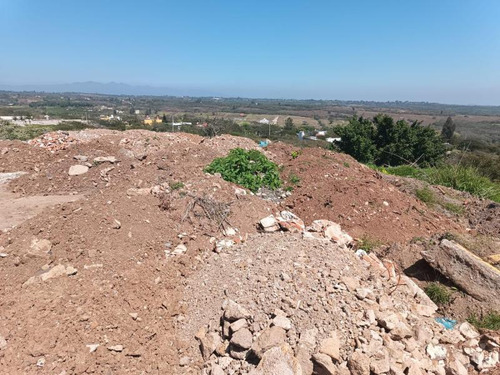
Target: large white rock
x=278, y=361
x=76, y=170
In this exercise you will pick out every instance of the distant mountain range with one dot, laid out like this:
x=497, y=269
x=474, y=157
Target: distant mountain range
x=110, y=88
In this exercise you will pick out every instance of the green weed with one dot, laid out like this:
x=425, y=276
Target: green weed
x=368, y=244
x=176, y=185
x=425, y=195
x=438, y=293
x=454, y=208
x=293, y=179
x=250, y=169
x=488, y=321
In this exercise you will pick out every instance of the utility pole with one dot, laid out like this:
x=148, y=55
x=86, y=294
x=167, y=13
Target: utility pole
x=172, y=123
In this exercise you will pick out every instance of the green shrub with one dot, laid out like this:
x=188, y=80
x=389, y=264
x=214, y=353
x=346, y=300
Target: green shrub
x=368, y=244
x=403, y=171
x=293, y=179
x=250, y=169
x=438, y=293
x=425, y=195
x=458, y=177
x=384, y=141
x=488, y=321
x=454, y=208
x=465, y=179
x=176, y=185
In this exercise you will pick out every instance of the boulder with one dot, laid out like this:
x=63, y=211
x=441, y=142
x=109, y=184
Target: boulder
x=208, y=343
x=76, y=170
x=3, y=342
x=237, y=325
x=468, y=330
x=242, y=338
x=269, y=338
x=269, y=224
x=331, y=346
x=323, y=364
x=233, y=311
x=283, y=322
x=359, y=364
x=477, y=278
x=40, y=247
x=278, y=361
x=105, y=159
x=436, y=352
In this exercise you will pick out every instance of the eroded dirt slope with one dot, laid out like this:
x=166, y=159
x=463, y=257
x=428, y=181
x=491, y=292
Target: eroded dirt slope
x=336, y=187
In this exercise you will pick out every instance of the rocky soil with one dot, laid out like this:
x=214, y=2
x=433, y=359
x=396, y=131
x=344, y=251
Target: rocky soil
x=144, y=264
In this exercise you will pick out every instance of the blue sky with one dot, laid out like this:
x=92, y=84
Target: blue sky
x=443, y=51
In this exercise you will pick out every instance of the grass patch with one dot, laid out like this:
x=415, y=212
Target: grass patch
x=488, y=321
x=465, y=179
x=24, y=133
x=425, y=195
x=368, y=244
x=438, y=293
x=250, y=169
x=457, y=177
x=293, y=179
x=454, y=208
x=176, y=185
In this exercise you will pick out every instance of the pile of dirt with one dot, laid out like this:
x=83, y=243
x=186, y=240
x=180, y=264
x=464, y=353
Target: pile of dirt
x=334, y=186
x=106, y=269
x=112, y=273
x=308, y=306
x=478, y=215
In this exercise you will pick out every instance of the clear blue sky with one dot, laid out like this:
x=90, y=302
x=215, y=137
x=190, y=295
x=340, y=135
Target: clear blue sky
x=444, y=51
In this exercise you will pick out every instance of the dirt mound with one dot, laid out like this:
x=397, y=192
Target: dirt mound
x=105, y=269
x=320, y=306
x=98, y=285
x=334, y=186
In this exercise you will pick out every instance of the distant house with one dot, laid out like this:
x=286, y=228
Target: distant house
x=333, y=139
x=149, y=121
x=321, y=133
x=7, y=118
x=264, y=121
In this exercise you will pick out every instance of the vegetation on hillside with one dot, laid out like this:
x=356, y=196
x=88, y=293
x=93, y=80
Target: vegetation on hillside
x=490, y=320
x=383, y=141
x=250, y=169
x=454, y=176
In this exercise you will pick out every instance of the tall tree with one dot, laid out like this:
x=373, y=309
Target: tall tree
x=289, y=127
x=448, y=129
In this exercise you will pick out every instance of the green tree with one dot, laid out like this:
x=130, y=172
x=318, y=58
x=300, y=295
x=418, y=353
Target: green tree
x=394, y=140
x=164, y=118
x=386, y=142
x=289, y=127
x=357, y=139
x=448, y=129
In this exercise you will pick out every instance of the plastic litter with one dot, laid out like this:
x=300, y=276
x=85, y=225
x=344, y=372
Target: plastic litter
x=446, y=322
x=263, y=143
x=361, y=253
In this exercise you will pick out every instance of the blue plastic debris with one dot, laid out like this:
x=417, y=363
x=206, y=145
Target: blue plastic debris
x=263, y=143
x=446, y=322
